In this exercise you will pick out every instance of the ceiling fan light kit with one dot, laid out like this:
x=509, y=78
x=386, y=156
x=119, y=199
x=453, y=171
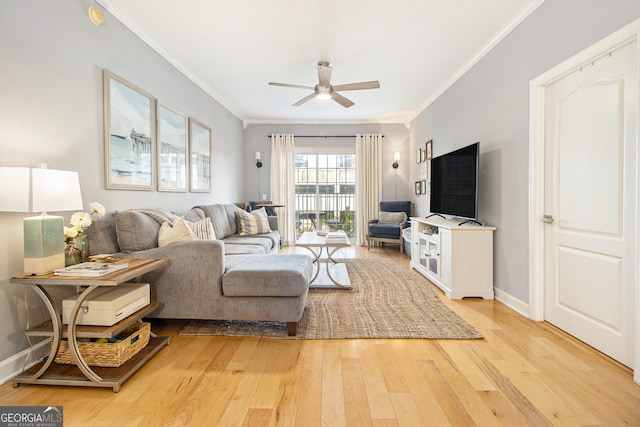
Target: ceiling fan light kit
x=325, y=91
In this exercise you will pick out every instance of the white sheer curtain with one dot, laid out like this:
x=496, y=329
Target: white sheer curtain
x=283, y=184
x=368, y=182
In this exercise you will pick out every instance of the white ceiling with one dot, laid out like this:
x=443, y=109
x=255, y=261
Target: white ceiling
x=232, y=49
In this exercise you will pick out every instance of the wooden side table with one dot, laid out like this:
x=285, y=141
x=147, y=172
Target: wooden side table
x=51, y=373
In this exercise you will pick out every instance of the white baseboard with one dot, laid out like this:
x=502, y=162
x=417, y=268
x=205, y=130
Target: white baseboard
x=512, y=302
x=15, y=364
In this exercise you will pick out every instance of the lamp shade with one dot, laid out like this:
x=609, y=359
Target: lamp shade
x=55, y=190
x=14, y=189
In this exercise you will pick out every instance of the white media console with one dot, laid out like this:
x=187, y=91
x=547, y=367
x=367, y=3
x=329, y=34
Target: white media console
x=456, y=258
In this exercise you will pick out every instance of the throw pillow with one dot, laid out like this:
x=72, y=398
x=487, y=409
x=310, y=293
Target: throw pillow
x=252, y=223
x=392, y=217
x=179, y=232
x=203, y=229
x=136, y=231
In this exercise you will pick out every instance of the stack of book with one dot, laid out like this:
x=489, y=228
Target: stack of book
x=90, y=269
x=336, y=237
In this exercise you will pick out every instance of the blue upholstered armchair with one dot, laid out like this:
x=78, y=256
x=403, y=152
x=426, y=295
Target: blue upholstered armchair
x=394, y=217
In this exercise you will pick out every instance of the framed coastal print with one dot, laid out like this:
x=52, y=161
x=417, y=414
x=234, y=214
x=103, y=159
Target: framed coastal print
x=418, y=188
x=200, y=156
x=173, y=159
x=429, y=149
x=418, y=155
x=423, y=156
x=423, y=186
x=129, y=117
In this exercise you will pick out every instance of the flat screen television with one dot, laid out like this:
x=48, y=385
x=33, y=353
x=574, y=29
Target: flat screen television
x=454, y=183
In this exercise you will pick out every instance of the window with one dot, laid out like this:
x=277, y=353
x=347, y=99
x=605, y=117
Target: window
x=325, y=192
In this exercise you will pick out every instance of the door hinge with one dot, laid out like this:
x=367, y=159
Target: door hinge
x=547, y=219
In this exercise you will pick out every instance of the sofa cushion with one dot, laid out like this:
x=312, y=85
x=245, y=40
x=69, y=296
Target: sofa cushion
x=243, y=250
x=286, y=275
x=252, y=223
x=102, y=235
x=178, y=232
x=220, y=220
x=191, y=215
x=392, y=217
x=262, y=241
x=231, y=216
x=136, y=231
x=389, y=231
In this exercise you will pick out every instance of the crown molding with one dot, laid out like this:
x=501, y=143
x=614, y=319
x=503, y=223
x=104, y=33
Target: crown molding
x=127, y=22
x=504, y=32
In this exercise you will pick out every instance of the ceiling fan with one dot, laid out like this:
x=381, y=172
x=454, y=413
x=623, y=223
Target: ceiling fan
x=324, y=90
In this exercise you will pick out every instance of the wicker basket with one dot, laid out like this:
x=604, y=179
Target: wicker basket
x=108, y=354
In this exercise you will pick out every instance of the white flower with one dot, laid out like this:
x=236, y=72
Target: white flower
x=97, y=209
x=70, y=233
x=80, y=220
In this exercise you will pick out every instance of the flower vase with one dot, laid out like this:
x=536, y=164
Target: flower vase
x=71, y=254
x=82, y=245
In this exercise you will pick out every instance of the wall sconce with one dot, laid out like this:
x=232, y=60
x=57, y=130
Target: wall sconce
x=258, y=158
x=96, y=16
x=396, y=158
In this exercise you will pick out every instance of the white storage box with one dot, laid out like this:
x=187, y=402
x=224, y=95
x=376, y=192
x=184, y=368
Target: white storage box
x=108, y=305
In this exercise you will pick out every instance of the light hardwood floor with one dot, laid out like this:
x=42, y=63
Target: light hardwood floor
x=522, y=373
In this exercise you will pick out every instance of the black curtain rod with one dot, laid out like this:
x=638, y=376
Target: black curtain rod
x=322, y=136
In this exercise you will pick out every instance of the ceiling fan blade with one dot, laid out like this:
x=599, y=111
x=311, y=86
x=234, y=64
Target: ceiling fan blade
x=358, y=86
x=305, y=99
x=324, y=74
x=341, y=100
x=290, y=85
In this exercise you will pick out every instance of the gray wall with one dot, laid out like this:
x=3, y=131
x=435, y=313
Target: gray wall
x=490, y=104
x=395, y=184
x=51, y=108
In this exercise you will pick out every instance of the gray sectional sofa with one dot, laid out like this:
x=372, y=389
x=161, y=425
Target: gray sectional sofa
x=233, y=277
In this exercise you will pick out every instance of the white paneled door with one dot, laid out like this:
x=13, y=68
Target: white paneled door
x=590, y=202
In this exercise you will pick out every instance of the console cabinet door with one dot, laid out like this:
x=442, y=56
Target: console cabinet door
x=415, y=241
x=445, y=256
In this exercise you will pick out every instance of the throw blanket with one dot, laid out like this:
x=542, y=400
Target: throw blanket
x=160, y=215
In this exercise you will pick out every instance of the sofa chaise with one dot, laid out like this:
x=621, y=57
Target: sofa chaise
x=232, y=277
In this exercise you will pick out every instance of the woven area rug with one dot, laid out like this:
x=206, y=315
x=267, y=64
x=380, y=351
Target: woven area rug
x=387, y=301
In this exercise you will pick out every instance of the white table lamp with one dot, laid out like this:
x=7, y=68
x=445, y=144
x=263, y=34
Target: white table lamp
x=51, y=191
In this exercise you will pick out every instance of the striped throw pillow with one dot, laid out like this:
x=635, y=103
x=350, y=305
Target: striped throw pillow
x=203, y=229
x=252, y=223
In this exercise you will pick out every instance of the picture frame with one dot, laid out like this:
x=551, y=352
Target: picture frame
x=423, y=156
x=428, y=186
x=129, y=135
x=173, y=148
x=418, y=156
x=429, y=149
x=424, y=170
x=199, y=157
x=418, y=188
x=423, y=186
